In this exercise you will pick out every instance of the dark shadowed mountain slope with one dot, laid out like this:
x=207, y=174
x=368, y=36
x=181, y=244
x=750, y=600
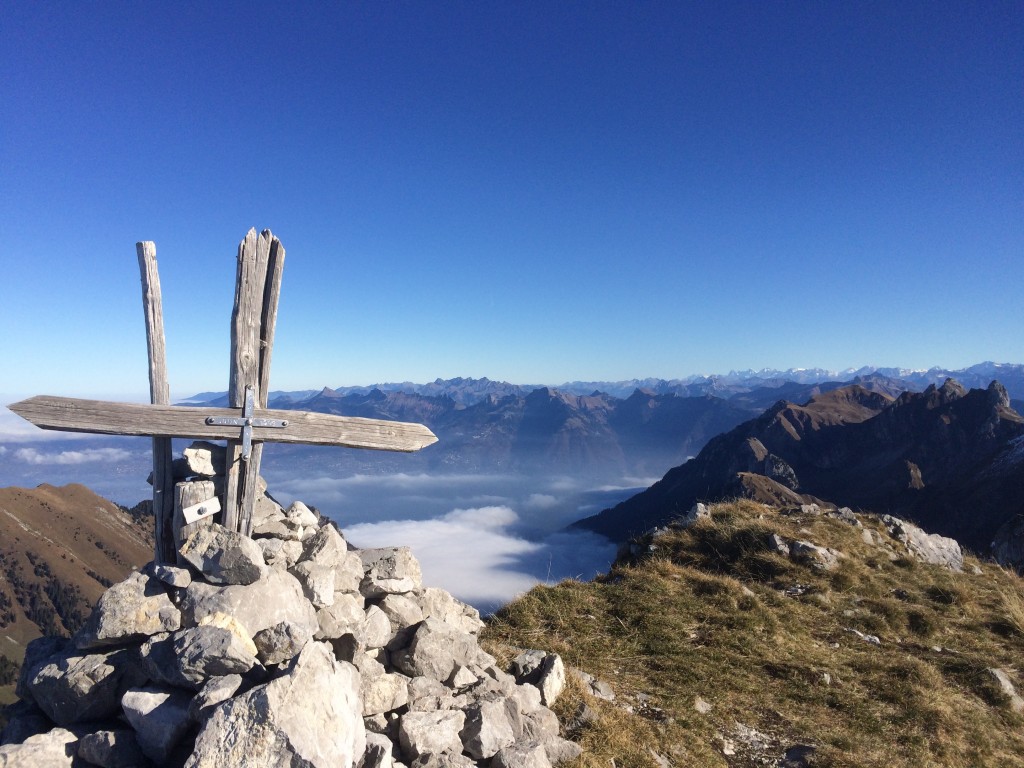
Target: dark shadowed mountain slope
x=936, y=457
x=59, y=550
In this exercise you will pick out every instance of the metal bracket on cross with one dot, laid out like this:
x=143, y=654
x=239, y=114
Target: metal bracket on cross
x=258, y=284
x=247, y=422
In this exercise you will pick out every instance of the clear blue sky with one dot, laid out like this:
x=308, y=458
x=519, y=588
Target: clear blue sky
x=529, y=191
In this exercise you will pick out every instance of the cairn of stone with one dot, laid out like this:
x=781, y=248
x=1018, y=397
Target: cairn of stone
x=290, y=648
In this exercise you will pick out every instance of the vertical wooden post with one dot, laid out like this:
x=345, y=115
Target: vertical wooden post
x=159, y=393
x=268, y=324
x=255, y=304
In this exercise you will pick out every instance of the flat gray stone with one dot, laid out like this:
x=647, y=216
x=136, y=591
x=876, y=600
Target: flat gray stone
x=389, y=571
x=224, y=556
x=488, y=727
x=159, y=717
x=117, y=748
x=281, y=642
x=54, y=749
x=276, y=597
x=213, y=692
x=430, y=732
x=345, y=616
x=132, y=609
x=522, y=754
x=434, y=651
x=317, y=582
x=76, y=688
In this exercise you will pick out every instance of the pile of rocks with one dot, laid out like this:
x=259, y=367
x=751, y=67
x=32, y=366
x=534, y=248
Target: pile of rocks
x=290, y=648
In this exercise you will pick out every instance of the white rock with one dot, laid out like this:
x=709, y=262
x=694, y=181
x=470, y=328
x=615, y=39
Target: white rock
x=430, y=732
x=309, y=716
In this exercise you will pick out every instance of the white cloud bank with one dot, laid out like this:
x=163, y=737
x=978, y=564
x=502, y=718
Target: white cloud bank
x=470, y=553
x=107, y=455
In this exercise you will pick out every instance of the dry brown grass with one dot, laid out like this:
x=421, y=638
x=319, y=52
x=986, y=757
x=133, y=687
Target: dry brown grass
x=707, y=615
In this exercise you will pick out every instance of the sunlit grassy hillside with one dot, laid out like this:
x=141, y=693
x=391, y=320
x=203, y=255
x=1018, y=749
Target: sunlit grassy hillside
x=721, y=651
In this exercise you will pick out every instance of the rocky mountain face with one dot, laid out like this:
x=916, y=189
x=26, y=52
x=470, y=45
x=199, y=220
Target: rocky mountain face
x=946, y=458
x=60, y=548
x=291, y=648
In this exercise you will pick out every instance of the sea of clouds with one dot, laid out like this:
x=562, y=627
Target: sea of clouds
x=483, y=537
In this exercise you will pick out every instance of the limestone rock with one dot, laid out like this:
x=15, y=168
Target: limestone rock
x=159, y=717
x=317, y=582
x=522, y=754
x=344, y=616
x=595, y=687
x=384, y=693
x=442, y=605
x=376, y=629
x=213, y=692
x=697, y=512
x=209, y=651
x=206, y=459
x=302, y=515
x=224, y=556
x=53, y=749
x=544, y=670
x=778, y=544
x=824, y=558
x=170, y=575
x=443, y=760
x=1002, y=679
x=379, y=752
x=72, y=689
x=430, y=732
x=275, y=597
x=434, y=651
x=488, y=727
x=389, y=571
x=308, y=717
x=130, y=610
x=327, y=547
x=112, y=749
x=928, y=547
x=281, y=642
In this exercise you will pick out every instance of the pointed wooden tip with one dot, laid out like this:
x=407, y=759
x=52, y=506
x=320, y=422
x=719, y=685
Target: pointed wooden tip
x=20, y=406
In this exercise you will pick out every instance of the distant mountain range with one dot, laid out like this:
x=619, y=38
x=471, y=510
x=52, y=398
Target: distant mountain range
x=602, y=430
x=947, y=458
x=466, y=391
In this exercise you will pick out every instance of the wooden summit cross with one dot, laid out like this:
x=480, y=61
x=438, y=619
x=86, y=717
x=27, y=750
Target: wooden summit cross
x=246, y=424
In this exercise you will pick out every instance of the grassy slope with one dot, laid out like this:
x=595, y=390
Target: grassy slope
x=706, y=615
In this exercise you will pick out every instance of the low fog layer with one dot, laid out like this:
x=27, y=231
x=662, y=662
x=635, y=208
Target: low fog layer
x=485, y=538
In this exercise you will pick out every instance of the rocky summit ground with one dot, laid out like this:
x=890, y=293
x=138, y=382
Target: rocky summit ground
x=759, y=636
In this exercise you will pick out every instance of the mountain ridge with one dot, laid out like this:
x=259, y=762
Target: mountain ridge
x=467, y=390
x=943, y=458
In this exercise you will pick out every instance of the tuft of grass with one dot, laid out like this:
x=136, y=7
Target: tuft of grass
x=714, y=613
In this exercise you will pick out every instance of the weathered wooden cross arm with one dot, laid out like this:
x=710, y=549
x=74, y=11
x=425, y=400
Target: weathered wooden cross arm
x=69, y=414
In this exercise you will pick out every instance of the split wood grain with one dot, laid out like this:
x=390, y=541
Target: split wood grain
x=159, y=392
x=246, y=353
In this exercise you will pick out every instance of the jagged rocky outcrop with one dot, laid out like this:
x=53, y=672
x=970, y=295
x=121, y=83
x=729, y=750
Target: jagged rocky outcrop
x=290, y=648
x=946, y=458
